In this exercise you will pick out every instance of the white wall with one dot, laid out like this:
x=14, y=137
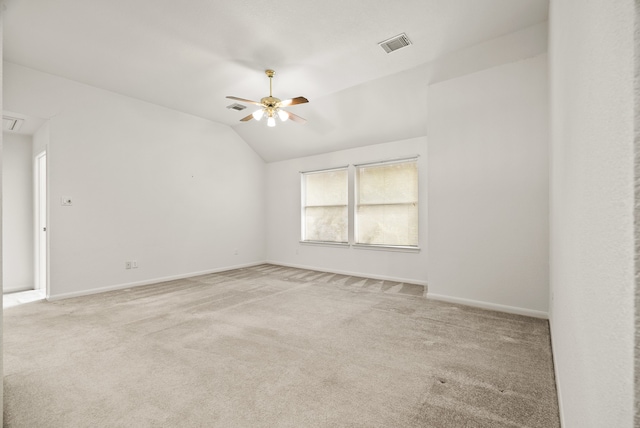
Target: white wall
x=592, y=267
x=40, y=140
x=177, y=193
x=283, y=217
x=17, y=219
x=488, y=188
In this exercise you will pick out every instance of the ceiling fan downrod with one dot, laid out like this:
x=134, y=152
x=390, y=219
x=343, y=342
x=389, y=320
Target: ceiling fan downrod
x=270, y=74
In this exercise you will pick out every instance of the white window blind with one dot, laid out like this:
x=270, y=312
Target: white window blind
x=325, y=199
x=387, y=203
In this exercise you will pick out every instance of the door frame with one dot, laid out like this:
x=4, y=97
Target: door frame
x=41, y=220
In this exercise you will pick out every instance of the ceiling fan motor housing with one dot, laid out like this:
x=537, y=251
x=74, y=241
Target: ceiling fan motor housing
x=271, y=102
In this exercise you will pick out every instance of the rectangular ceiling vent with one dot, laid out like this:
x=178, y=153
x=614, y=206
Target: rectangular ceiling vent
x=397, y=42
x=236, y=106
x=11, y=123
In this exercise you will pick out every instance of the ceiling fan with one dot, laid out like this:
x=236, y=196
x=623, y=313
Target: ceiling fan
x=272, y=107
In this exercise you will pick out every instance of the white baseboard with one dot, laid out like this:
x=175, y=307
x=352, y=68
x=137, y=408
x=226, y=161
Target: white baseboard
x=54, y=297
x=8, y=290
x=489, y=305
x=444, y=298
x=557, y=377
x=351, y=273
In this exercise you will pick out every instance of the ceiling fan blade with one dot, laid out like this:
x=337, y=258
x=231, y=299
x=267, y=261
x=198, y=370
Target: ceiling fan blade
x=247, y=118
x=244, y=100
x=296, y=118
x=293, y=101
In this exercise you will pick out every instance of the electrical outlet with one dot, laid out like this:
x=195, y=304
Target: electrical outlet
x=134, y=264
x=127, y=265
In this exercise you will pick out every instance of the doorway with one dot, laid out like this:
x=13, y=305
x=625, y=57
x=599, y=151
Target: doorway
x=25, y=274
x=24, y=223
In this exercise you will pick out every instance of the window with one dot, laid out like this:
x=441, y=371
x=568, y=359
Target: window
x=386, y=211
x=382, y=210
x=325, y=202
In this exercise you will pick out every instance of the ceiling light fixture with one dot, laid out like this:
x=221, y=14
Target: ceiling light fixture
x=271, y=106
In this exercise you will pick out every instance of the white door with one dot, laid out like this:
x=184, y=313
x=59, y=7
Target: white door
x=41, y=222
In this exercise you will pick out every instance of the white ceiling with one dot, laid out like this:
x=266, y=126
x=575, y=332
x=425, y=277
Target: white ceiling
x=189, y=55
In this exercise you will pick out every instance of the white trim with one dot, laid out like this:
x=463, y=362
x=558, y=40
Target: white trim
x=412, y=158
x=337, y=168
x=396, y=248
x=343, y=272
x=557, y=377
x=38, y=264
x=325, y=243
x=303, y=197
x=55, y=297
x=489, y=305
x=354, y=226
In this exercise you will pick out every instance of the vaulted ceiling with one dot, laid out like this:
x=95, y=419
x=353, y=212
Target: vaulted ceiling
x=189, y=55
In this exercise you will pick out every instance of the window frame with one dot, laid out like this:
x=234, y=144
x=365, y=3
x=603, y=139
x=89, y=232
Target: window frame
x=303, y=206
x=352, y=189
x=356, y=189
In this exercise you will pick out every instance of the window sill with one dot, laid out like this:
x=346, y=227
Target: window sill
x=393, y=248
x=325, y=244
x=396, y=248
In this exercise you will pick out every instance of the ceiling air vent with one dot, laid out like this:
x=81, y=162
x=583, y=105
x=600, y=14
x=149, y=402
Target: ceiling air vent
x=236, y=106
x=395, y=43
x=11, y=123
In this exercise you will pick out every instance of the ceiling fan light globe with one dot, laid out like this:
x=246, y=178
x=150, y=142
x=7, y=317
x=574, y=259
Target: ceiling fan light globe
x=283, y=115
x=257, y=115
x=271, y=122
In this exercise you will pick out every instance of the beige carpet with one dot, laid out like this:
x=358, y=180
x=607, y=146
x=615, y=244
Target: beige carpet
x=270, y=346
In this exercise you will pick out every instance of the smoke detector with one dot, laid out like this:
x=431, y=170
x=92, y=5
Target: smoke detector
x=396, y=42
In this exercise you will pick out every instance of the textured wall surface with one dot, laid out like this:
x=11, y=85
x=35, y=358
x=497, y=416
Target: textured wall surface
x=1, y=249
x=592, y=235
x=637, y=210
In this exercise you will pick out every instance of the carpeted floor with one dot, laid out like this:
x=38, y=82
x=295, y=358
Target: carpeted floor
x=271, y=346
